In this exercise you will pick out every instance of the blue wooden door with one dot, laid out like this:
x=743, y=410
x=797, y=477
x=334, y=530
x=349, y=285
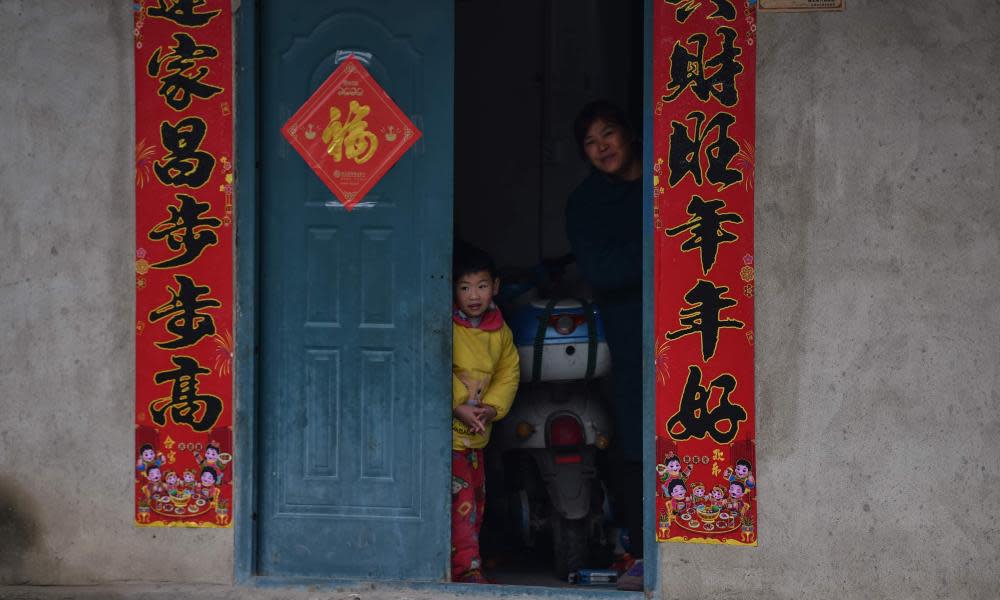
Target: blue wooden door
x=355, y=341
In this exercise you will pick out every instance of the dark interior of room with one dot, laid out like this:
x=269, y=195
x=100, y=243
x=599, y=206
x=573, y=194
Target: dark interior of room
x=523, y=69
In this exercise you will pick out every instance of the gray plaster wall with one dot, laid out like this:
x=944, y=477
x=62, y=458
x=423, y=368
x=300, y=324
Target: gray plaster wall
x=67, y=315
x=877, y=318
x=877, y=328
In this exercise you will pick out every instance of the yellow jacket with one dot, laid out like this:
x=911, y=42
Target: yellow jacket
x=486, y=363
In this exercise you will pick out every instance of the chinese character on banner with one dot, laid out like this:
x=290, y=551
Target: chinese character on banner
x=350, y=132
x=703, y=143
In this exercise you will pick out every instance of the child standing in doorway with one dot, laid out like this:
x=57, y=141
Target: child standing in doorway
x=485, y=374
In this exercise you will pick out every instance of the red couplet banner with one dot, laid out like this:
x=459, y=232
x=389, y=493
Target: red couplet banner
x=703, y=130
x=183, y=263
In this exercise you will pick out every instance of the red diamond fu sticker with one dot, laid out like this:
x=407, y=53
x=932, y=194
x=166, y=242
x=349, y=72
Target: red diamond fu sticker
x=350, y=132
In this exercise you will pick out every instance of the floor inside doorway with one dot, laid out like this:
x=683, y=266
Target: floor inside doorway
x=523, y=571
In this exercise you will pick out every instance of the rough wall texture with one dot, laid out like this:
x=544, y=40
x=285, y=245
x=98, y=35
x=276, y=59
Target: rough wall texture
x=66, y=307
x=878, y=329
x=878, y=323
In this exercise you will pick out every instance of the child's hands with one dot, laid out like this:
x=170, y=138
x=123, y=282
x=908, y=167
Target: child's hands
x=475, y=417
x=469, y=414
x=486, y=414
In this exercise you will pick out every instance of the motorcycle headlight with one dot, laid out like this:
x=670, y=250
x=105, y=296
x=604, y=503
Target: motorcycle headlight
x=565, y=324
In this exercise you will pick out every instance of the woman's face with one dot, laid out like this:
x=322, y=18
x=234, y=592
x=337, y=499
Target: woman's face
x=609, y=148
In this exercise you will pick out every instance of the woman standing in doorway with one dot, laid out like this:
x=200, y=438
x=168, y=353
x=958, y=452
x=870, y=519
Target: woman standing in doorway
x=604, y=227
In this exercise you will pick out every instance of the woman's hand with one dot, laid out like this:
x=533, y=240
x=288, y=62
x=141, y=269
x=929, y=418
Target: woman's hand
x=476, y=383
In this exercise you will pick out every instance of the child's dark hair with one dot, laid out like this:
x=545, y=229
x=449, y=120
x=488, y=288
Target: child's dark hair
x=470, y=259
x=146, y=447
x=598, y=109
x=215, y=474
x=744, y=462
x=674, y=483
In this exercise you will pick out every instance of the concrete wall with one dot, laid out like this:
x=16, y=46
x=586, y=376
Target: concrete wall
x=878, y=323
x=67, y=315
x=878, y=329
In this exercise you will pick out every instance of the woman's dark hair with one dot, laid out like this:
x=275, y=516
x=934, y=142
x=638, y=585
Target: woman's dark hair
x=598, y=109
x=466, y=259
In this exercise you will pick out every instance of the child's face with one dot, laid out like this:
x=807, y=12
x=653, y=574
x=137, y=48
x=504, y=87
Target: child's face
x=147, y=455
x=677, y=492
x=153, y=475
x=699, y=491
x=188, y=477
x=171, y=478
x=212, y=454
x=674, y=466
x=474, y=292
x=207, y=479
x=735, y=492
x=717, y=494
x=742, y=470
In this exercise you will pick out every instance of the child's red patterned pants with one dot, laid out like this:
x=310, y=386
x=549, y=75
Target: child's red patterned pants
x=468, y=502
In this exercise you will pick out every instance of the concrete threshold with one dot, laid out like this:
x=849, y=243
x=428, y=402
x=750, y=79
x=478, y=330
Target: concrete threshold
x=165, y=591
x=362, y=591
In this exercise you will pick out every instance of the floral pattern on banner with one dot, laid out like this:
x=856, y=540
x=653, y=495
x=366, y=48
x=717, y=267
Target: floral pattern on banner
x=703, y=137
x=183, y=263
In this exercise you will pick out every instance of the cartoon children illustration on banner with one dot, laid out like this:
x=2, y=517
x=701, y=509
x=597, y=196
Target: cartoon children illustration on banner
x=723, y=506
x=185, y=485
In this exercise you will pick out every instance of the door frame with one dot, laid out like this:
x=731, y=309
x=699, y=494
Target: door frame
x=247, y=339
x=246, y=43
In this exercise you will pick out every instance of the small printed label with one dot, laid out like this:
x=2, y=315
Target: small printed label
x=801, y=5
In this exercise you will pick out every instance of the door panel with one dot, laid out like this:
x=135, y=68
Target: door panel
x=355, y=328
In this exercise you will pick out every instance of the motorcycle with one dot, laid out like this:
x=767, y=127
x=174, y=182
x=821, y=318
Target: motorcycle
x=550, y=442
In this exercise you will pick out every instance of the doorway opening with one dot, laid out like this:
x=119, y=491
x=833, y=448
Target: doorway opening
x=523, y=71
